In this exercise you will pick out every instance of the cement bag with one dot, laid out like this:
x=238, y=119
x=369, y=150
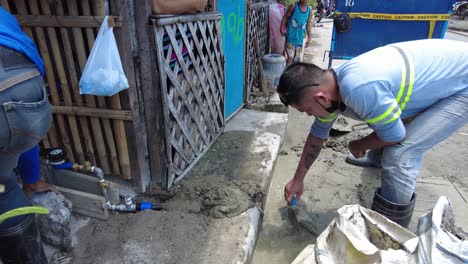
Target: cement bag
x=439, y=240
x=359, y=235
x=103, y=73
x=276, y=12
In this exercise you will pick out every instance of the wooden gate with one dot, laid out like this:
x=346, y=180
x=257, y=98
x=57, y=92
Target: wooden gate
x=191, y=67
x=257, y=28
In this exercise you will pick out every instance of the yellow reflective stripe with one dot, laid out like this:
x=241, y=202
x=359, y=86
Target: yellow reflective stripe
x=23, y=211
x=328, y=119
x=395, y=116
x=403, y=81
x=392, y=113
x=411, y=83
x=401, y=17
x=407, y=79
x=404, y=93
x=382, y=116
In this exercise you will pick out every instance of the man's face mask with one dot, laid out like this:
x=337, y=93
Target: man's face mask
x=334, y=106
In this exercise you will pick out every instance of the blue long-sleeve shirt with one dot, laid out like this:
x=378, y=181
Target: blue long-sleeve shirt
x=11, y=36
x=397, y=81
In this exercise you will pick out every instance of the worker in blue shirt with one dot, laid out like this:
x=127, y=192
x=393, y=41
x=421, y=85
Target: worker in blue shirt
x=25, y=116
x=412, y=94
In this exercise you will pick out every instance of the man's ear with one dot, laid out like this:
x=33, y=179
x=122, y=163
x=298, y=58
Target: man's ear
x=321, y=97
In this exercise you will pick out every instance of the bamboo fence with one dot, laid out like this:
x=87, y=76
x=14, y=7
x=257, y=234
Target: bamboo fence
x=88, y=127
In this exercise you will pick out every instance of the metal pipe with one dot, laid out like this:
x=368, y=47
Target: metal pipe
x=102, y=182
x=127, y=206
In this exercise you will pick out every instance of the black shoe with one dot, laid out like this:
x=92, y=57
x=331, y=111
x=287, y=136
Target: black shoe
x=398, y=213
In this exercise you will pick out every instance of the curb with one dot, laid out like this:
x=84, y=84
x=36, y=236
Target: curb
x=262, y=123
x=458, y=29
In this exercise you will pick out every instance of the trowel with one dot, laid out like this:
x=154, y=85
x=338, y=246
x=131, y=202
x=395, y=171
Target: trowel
x=300, y=217
x=345, y=125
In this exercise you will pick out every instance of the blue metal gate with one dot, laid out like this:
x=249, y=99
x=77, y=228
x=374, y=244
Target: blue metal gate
x=233, y=32
x=378, y=23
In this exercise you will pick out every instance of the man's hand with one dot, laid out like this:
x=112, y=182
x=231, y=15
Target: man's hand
x=293, y=188
x=39, y=186
x=356, y=149
x=359, y=147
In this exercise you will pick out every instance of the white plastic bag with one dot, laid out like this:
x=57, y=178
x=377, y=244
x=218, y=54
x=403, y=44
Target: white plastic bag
x=359, y=235
x=103, y=73
x=439, y=240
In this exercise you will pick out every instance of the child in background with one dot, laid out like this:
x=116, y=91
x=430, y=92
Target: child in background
x=297, y=20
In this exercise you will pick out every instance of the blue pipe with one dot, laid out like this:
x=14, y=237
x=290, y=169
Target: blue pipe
x=63, y=166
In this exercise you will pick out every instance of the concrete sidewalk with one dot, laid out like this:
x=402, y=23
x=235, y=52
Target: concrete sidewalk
x=332, y=183
x=214, y=216
x=458, y=25
x=246, y=151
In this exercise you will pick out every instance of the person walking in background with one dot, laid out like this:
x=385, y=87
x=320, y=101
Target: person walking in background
x=297, y=21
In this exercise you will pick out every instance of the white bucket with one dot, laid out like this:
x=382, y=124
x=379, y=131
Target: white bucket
x=273, y=66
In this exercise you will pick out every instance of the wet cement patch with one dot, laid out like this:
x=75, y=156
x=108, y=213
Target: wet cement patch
x=215, y=196
x=204, y=220
x=238, y=155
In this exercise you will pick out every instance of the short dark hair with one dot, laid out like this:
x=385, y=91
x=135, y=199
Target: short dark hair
x=296, y=77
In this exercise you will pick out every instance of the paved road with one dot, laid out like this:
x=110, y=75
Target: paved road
x=456, y=35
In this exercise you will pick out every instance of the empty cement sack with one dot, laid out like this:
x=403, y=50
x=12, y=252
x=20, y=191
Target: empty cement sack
x=440, y=241
x=103, y=73
x=360, y=235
